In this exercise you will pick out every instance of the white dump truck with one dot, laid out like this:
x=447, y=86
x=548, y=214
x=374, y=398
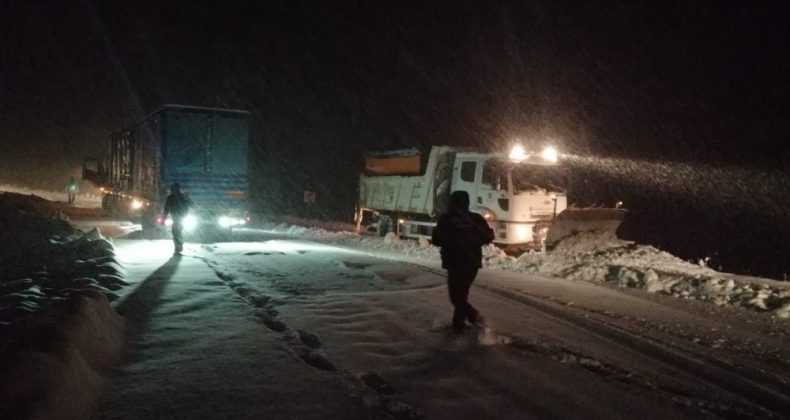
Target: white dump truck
x=522, y=194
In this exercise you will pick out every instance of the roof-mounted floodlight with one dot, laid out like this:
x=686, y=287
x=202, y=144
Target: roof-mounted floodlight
x=550, y=154
x=517, y=153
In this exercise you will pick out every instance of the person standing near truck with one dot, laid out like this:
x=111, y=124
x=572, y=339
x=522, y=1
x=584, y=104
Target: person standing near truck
x=177, y=205
x=461, y=234
x=72, y=188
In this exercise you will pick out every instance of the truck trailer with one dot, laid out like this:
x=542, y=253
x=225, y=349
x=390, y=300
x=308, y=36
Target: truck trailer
x=202, y=149
x=522, y=195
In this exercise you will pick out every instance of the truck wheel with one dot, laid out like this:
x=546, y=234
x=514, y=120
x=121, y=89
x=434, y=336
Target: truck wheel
x=385, y=225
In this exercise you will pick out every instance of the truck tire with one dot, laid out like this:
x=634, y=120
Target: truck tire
x=385, y=225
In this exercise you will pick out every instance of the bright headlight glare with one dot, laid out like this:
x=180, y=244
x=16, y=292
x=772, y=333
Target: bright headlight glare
x=169, y=222
x=226, y=221
x=190, y=222
x=549, y=154
x=517, y=153
x=522, y=233
x=136, y=204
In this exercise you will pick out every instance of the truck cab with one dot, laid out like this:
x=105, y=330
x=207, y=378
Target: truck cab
x=518, y=195
x=519, y=199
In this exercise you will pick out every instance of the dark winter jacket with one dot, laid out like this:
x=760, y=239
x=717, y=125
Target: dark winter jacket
x=461, y=234
x=177, y=204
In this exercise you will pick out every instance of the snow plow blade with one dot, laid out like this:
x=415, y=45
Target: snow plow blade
x=574, y=220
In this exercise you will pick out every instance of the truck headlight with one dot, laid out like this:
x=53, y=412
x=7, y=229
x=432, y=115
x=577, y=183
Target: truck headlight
x=517, y=153
x=549, y=154
x=522, y=233
x=190, y=222
x=226, y=221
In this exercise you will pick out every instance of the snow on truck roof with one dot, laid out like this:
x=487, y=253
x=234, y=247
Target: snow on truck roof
x=393, y=153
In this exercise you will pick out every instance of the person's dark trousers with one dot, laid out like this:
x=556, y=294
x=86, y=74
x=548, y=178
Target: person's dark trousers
x=178, y=238
x=459, y=280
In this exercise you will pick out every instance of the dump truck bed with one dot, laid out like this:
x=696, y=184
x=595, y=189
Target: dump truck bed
x=396, y=192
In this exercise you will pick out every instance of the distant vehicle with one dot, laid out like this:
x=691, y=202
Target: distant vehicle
x=523, y=195
x=203, y=149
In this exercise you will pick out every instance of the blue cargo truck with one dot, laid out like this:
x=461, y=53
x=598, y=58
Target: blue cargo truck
x=203, y=149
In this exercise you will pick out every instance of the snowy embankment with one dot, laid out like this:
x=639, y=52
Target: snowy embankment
x=598, y=258
x=85, y=199
x=59, y=333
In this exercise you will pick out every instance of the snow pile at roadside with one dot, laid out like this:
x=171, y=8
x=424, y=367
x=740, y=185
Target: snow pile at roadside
x=52, y=365
x=599, y=257
x=58, y=332
x=65, y=265
x=286, y=221
x=419, y=249
x=83, y=199
x=43, y=258
x=314, y=233
x=595, y=257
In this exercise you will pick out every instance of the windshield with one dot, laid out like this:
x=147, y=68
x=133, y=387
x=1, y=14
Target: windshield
x=495, y=175
x=534, y=178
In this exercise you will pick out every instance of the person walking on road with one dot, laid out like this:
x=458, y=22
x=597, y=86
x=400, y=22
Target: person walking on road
x=461, y=234
x=72, y=188
x=177, y=205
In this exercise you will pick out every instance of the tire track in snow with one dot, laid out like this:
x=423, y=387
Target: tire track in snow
x=761, y=396
x=557, y=353
x=762, y=393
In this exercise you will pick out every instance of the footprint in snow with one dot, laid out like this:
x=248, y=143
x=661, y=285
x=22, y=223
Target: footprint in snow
x=225, y=276
x=243, y=290
x=309, y=339
x=259, y=301
x=271, y=323
x=377, y=383
x=355, y=265
x=315, y=359
x=394, y=276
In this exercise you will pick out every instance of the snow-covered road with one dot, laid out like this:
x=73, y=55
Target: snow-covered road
x=197, y=350
x=277, y=327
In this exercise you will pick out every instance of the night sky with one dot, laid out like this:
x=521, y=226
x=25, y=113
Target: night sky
x=699, y=87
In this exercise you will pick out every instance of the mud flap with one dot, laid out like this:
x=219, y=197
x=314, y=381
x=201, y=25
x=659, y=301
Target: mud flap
x=574, y=220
